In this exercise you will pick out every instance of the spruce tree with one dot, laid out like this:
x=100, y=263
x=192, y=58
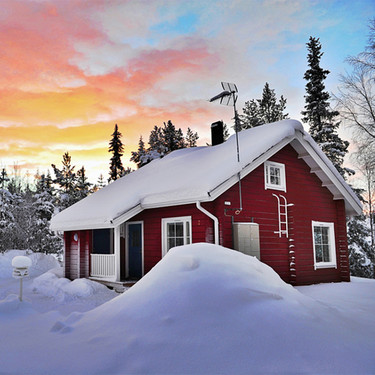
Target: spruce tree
x=7, y=220
x=318, y=114
x=263, y=111
x=191, y=138
x=100, y=183
x=173, y=139
x=139, y=157
x=116, y=147
x=66, y=179
x=83, y=185
x=162, y=141
x=42, y=239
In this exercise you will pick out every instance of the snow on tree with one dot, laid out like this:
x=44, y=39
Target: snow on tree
x=265, y=110
x=42, y=239
x=162, y=140
x=138, y=157
x=116, y=147
x=318, y=114
x=83, y=185
x=359, y=247
x=7, y=221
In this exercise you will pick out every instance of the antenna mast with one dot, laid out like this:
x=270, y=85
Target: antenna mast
x=229, y=97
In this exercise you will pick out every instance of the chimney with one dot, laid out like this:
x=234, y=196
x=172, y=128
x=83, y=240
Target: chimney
x=217, y=133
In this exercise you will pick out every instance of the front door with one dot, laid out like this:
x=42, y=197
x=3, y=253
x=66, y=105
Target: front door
x=135, y=250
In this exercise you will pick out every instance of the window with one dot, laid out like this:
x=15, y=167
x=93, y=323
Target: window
x=274, y=176
x=176, y=231
x=324, y=245
x=102, y=241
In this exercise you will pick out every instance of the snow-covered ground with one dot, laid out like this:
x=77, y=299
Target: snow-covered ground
x=203, y=309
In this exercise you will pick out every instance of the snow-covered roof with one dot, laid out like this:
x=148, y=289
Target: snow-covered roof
x=199, y=174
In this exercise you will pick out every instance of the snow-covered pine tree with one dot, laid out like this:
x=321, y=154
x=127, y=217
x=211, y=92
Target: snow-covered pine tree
x=173, y=139
x=263, y=111
x=163, y=140
x=42, y=239
x=318, y=114
x=360, y=247
x=66, y=178
x=139, y=157
x=7, y=222
x=116, y=168
x=83, y=185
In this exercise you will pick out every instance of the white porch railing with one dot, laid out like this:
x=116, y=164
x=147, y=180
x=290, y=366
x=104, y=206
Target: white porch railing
x=103, y=265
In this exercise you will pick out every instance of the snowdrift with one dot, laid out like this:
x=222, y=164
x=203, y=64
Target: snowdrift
x=40, y=262
x=206, y=309
x=203, y=309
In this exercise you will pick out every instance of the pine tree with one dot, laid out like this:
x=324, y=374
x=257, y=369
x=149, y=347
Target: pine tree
x=263, y=111
x=66, y=178
x=117, y=148
x=360, y=253
x=7, y=221
x=101, y=182
x=83, y=185
x=139, y=157
x=42, y=239
x=4, y=179
x=317, y=113
x=162, y=141
x=191, y=138
x=173, y=139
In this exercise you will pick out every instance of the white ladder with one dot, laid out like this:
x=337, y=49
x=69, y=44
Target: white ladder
x=282, y=208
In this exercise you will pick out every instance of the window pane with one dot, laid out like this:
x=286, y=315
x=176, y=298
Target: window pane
x=318, y=253
x=179, y=241
x=326, y=256
x=171, y=230
x=317, y=235
x=171, y=243
x=275, y=175
x=179, y=229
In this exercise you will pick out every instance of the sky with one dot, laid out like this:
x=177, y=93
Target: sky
x=72, y=69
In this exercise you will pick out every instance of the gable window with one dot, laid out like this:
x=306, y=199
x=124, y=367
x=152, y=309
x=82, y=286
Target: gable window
x=274, y=176
x=176, y=231
x=324, y=245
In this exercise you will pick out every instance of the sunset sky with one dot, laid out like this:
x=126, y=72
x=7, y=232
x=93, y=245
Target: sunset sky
x=72, y=69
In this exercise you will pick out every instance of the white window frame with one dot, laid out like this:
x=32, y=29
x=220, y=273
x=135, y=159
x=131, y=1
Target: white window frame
x=164, y=236
x=267, y=182
x=332, y=245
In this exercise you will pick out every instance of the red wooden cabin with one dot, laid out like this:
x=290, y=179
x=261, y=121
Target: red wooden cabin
x=283, y=202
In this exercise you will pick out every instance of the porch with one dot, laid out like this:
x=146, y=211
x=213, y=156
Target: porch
x=116, y=256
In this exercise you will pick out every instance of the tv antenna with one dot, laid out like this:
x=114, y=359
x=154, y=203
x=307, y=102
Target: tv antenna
x=229, y=97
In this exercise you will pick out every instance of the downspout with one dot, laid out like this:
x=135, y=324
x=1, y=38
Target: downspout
x=214, y=218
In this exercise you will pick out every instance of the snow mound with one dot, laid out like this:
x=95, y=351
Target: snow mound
x=52, y=285
x=41, y=263
x=200, y=301
x=12, y=307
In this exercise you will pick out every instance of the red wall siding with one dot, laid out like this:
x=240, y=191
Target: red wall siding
x=202, y=229
x=311, y=202
x=77, y=254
